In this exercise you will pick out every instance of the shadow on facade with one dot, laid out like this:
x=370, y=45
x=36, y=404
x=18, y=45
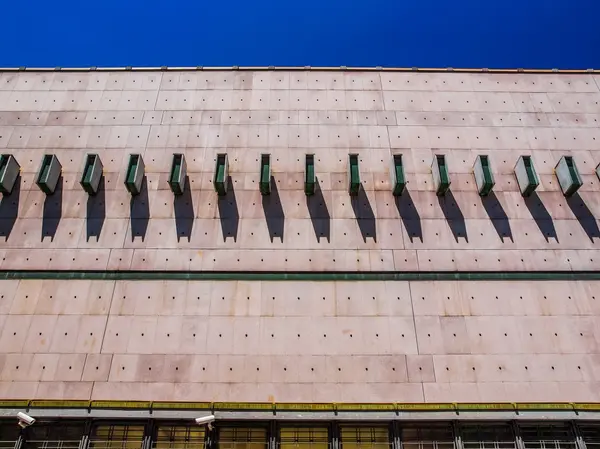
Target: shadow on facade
x=139, y=211
x=453, y=215
x=183, y=208
x=9, y=209
x=542, y=218
x=409, y=215
x=228, y=212
x=319, y=214
x=584, y=216
x=497, y=215
x=364, y=214
x=96, y=212
x=273, y=212
x=52, y=211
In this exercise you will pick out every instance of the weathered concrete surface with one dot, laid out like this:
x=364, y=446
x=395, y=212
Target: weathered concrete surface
x=300, y=341
x=290, y=114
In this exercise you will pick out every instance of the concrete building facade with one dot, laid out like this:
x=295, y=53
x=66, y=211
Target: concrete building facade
x=342, y=254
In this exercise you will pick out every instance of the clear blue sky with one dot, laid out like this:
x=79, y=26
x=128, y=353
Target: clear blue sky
x=401, y=33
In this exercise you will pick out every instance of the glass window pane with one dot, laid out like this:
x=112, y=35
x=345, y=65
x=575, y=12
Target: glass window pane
x=179, y=437
x=304, y=438
x=118, y=436
x=365, y=437
x=432, y=436
x=9, y=432
x=59, y=435
x=591, y=435
x=558, y=436
x=242, y=438
x=488, y=436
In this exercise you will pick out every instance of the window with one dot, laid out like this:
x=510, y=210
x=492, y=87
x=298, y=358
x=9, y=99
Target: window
x=9, y=433
x=591, y=435
x=365, y=437
x=559, y=436
x=488, y=436
x=242, y=438
x=304, y=438
x=117, y=436
x=432, y=436
x=56, y=435
x=179, y=437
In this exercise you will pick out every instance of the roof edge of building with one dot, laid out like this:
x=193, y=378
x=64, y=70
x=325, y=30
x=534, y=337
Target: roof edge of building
x=300, y=68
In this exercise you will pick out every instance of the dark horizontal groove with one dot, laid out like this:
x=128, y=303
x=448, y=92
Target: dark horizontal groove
x=304, y=276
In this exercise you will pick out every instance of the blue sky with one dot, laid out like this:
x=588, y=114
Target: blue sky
x=392, y=33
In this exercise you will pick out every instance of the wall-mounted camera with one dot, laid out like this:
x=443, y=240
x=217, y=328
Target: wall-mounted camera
x=25, y=420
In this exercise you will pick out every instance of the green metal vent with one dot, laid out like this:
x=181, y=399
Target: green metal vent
x=221, y=176
x=48, y=174
x=135, y=174
x=178, y=173
x=441, y=178
x=484, y=177
x=9, y=171
x=397, y=175
x=265, y=174
x=92, y=173
x=526, y=175
x=568, y=175
x=309, y=175
x=353, y=174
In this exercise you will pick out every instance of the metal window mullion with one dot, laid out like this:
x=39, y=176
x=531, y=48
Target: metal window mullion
x=273, y=435
x=579, y=441
x=395, y=435
x=210, y=438
x=148, y=437
x=334, y=435
x=457, y=433
x=19, y=441
x=517, y=434
x=84, y=442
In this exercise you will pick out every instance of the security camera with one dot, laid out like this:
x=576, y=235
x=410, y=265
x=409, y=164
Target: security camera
x=25, y=420
x=208, y=420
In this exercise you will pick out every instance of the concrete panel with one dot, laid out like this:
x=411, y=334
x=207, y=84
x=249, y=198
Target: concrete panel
x=338, y=341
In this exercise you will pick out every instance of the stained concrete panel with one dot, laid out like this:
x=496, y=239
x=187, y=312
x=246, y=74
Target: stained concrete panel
x=342, y=342
x=500, y=348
